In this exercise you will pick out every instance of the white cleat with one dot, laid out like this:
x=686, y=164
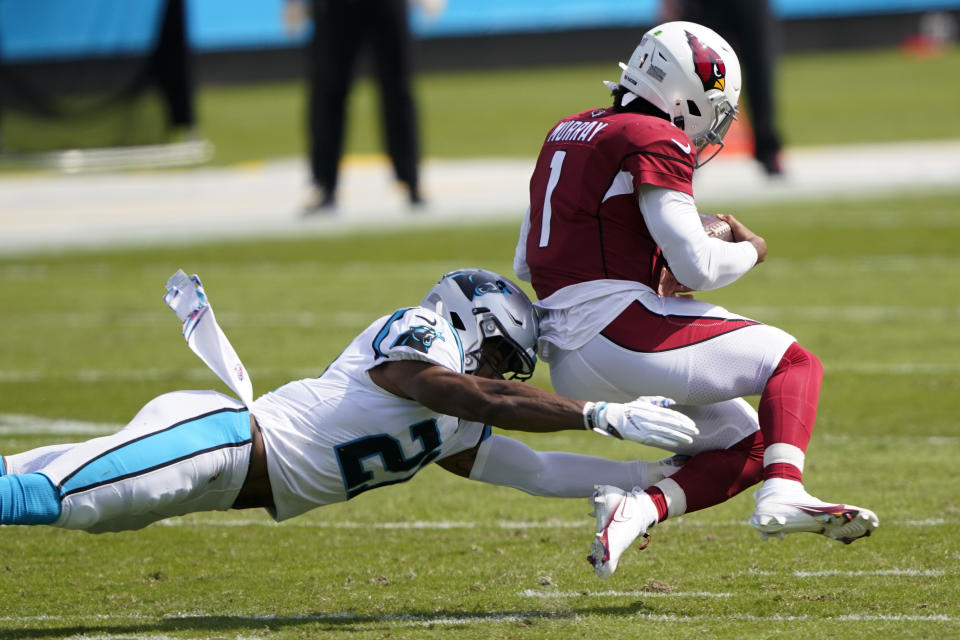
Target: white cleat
x=620, y=520
x=782, y=512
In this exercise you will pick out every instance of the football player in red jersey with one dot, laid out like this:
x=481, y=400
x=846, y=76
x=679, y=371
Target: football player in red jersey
x=611, y=223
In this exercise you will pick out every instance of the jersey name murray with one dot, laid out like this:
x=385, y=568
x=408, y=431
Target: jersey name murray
x=331, y=438
x=576, y=131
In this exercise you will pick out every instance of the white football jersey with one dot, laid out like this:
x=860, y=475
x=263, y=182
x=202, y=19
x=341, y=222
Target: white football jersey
x=330, y=438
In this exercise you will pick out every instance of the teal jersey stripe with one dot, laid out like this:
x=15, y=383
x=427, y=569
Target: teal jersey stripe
x=216, y=430
x=384, y=331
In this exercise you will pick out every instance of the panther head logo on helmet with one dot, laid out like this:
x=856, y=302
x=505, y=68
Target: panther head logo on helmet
x=474, y=284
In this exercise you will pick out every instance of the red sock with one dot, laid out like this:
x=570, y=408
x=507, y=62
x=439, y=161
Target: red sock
x=788, y=409
x=659, y=501
x=713, y=477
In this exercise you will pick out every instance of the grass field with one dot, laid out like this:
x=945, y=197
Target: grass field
x=868, y=285
x=823, y=99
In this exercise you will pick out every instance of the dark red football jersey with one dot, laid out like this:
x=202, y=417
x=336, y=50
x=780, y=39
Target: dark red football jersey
x=585, y=221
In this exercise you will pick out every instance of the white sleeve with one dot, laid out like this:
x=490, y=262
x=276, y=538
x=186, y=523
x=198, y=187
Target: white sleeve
x=520, y=266
x=696, y=260
x=186, y=296
x=555, y=474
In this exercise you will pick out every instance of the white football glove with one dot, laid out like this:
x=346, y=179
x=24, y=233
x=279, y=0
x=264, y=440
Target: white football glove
x=647, y=420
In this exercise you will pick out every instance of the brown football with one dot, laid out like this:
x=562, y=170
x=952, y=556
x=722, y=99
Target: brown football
x=715, y=227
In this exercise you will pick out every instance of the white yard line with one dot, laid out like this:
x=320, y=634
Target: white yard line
x=88, y=376
x=445, y=525
x=910, y=573
x=533, y=593
x=860, y=314
x=855, y=617
x=18, y=423
x=411, y=620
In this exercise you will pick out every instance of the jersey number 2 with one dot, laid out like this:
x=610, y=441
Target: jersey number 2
x=357, y=478
x=556, y=164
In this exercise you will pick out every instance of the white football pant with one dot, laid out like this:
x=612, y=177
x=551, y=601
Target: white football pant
x=707, y=378
x=184, y=452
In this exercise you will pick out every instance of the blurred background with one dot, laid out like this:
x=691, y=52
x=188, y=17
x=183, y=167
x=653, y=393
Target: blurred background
x=106, y=86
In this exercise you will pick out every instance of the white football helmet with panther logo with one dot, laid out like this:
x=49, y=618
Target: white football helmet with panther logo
x=482, y=305
x=690, y=73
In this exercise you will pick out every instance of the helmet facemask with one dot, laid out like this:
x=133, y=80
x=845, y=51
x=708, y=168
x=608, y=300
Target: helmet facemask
x=724, y=115
x=501, y=353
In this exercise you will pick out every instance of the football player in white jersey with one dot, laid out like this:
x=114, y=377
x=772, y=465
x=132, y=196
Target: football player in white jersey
x=612, y=223
x=423, y=384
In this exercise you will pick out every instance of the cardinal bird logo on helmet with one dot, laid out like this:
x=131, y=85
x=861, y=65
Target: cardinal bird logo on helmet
x=707, y=64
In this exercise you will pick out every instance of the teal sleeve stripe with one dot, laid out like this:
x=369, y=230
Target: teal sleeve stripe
x=223, y=428
x=384, y=331
x=456, y=334
x=487, y=432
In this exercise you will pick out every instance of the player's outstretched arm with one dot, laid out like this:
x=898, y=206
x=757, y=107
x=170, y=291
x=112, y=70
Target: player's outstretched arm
x=508, y=462
x=647, y=420
x=509, y=405
x=521, y=407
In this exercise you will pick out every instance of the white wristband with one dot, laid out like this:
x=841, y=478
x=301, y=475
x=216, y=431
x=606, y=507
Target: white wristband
x=591, y=415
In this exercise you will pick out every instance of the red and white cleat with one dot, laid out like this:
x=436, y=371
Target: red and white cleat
x=622, y=517
x=786, y=507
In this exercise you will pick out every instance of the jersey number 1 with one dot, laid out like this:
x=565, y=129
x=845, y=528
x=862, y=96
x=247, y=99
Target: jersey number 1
x=556, y=164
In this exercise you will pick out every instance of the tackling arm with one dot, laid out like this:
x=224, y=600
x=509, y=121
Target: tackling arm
x=520, y=407
x=508, y=462
x=509, y=405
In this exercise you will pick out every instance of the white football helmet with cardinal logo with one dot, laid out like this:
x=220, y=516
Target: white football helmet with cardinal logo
x=690, y=73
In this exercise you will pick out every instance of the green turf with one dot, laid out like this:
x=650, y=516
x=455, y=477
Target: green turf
x=823, y=98
x=868, y=285
x=139, y=121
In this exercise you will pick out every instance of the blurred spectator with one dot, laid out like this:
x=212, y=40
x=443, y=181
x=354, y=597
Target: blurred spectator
x=172, y=67
x=76, y=85
x=340, y=29
x=751, y=28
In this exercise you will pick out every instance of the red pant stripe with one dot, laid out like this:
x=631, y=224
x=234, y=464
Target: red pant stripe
x=639, y=329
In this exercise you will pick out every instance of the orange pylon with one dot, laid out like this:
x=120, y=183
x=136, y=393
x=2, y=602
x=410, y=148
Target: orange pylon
x=739, y=140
